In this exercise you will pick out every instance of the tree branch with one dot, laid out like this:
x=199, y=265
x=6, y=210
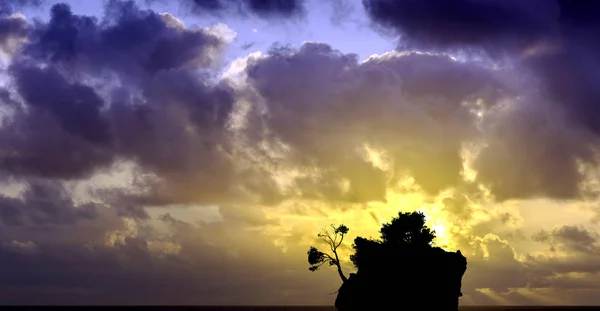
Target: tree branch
x=331, y=238
x=320, y=264
x=341, y=240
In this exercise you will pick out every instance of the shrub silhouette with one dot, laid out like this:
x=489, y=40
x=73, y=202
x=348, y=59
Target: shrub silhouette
x=407, y=231
x=401, y=268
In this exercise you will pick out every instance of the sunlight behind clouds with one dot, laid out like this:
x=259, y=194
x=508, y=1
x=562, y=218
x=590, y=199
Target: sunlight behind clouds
x=135, y=150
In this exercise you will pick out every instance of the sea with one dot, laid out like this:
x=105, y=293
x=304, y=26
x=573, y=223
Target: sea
x=305, y=308
x=331, y=308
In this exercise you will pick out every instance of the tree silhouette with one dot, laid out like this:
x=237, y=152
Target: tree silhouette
x=402, y=268
x=408, y=229
x=334, y=239
x=405, y=231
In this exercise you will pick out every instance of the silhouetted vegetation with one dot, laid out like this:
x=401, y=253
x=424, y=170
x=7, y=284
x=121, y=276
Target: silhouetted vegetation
x=408, y=230
x=334, y=239
x=401, y=267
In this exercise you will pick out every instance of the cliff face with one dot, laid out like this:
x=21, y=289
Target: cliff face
x=404, y=279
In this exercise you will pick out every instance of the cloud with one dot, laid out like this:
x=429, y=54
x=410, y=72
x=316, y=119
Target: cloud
x=131, y=153
x=43, y=202
x=465, y=23
x=86, y=127
x=261, y=8
x=9, y=6
x=13, y=27
x=181, y=264
x=546, y=42
x=129, y=40
x=135, y=87
x=568, y=238
x=407, y=107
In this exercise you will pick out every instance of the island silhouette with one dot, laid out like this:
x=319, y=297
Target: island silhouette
x=400, y=270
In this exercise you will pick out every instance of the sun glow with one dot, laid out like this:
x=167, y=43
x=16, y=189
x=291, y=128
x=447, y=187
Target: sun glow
x=301, y=219
x=441, y=237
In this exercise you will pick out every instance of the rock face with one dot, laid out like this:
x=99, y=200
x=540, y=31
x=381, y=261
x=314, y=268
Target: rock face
x=403, y=278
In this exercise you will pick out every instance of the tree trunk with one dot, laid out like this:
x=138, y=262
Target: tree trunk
x=339, y=267
x=342, y=276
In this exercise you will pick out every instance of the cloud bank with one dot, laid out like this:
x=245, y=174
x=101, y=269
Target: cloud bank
x=132, y=154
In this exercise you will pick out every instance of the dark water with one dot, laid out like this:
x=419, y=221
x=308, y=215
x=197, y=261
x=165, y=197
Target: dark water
x=301, y=308
x=465, y=308
x=328, y=308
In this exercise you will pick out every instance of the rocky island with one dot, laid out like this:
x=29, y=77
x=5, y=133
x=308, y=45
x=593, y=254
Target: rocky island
x=401, y=270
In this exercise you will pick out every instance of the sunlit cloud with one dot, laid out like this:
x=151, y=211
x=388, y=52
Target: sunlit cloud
x=132, y=152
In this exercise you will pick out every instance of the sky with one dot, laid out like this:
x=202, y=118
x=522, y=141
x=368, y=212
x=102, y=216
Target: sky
x=189, y=152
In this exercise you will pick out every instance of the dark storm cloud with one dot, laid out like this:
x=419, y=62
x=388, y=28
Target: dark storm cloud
x=129, y=42
x=128, y=86
x=551, y=40
x=34, y=144
x=465, y=23
x=260, y=8
x=43, y=203
x=75, y=106
x=408, y=105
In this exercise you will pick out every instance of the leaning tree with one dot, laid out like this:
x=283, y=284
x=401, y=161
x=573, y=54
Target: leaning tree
x=333, y=237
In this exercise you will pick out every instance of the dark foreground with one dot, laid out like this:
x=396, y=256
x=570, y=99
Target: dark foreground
x=302, y=308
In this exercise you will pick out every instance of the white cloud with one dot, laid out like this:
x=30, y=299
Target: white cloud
x=223, y=31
